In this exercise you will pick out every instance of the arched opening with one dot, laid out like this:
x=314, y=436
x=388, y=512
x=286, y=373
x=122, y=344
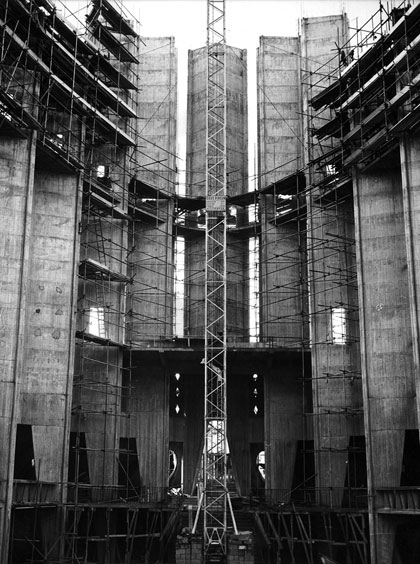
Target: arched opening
x=173, y=463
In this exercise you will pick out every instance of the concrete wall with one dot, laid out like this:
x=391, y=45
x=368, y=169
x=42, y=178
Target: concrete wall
x=243, y=427
x=96, y=412
x=148, y=423
x=284, y=424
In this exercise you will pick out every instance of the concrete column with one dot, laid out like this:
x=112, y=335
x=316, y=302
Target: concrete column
x=279, y=123
x=16, y=188
x=152, y=257
x=237, y=173
x=49, y=340
x=280, y=154
x=385, y=338
x=410, y=174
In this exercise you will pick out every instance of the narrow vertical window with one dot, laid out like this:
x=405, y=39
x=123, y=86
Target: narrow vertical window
x=179, y=282
x=254, y=282
x=338, y=326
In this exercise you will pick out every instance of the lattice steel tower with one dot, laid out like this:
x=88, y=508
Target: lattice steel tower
x=215, y=500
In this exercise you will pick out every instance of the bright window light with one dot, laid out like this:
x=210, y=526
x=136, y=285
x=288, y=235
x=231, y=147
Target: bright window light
x=179, y=285
x=254, y=282
x=338, y=326
x=101, y=171
x=261, y=463
x=96, y=322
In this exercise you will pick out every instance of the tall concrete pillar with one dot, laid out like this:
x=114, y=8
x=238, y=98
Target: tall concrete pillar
x=46, y=386
x=49, y=342
x=152, y=257
x=385, y=339
x=336, y=389
x=237, y=173
x=410, y=174
x=17, y=158
x=280, y=154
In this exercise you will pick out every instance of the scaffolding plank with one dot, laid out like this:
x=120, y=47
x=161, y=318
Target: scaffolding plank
x=114, y=18
x=110, y=129
x=92, y=269
x=84, y=77
x=108, y=207
x=109, y=41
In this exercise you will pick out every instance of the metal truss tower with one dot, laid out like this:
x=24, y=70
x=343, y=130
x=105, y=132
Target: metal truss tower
x=215, y=500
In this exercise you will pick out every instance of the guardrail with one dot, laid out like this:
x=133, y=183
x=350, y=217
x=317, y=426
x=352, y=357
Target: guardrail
x=334, y=498
x=25, y=491
x=85, y=493
x=402, y=499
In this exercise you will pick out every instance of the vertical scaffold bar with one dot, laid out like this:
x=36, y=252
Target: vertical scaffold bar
x=215, y=502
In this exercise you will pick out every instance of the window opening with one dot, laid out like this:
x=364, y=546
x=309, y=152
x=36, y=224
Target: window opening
x=24, y=454
x=179, y=288
x=128, y=467
x=254, y=282
x=102, y=171
x=176, y=396
x=256, y=396
x=410, y=471
x=338, y=326
x=232, y=218
x=260, y=461
x=96, y=322
x=78, y=462
x=201, y=219
x=173, y=463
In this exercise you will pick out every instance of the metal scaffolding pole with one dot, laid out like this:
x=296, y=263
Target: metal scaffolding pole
x=215, y=501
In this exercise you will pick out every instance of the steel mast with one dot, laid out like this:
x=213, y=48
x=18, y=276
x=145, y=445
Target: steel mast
x=215, y=500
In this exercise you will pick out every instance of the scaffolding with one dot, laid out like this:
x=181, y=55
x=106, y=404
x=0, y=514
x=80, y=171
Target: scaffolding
x=75, y=92
x=75, y=86
x=360, y=102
